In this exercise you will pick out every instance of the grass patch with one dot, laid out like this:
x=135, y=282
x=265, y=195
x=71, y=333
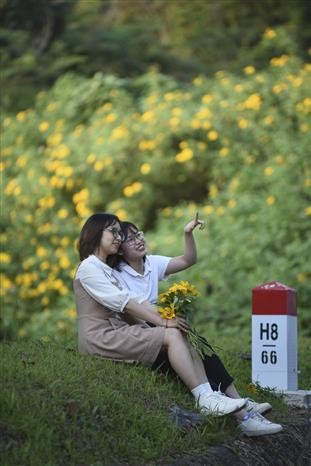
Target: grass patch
x=59, y=407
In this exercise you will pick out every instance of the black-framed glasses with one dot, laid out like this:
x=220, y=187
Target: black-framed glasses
x=117, y=234
x=131, y=240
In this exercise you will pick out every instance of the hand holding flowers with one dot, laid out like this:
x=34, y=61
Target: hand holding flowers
x=176, y=303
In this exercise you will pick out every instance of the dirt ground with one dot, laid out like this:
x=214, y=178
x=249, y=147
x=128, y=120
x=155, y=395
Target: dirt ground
x=291, y=447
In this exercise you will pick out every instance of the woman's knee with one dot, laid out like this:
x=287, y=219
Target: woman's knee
x=172, y=335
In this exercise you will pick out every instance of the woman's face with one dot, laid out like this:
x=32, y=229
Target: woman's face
x=110, y=241
x=134, y=247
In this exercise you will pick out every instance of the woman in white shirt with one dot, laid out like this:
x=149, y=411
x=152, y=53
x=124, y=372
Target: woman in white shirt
x=140, y=273
x=105, y=309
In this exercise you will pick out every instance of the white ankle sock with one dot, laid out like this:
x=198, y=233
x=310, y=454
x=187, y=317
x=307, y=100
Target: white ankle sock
x=200, y=389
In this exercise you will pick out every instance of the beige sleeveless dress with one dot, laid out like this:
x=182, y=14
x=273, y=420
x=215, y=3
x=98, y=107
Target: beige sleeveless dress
x=105, y=333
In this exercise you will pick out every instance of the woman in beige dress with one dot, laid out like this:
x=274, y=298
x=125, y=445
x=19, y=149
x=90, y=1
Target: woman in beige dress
x=105, y=310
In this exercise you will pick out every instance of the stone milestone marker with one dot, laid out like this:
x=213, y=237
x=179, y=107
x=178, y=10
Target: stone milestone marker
x=274, y=337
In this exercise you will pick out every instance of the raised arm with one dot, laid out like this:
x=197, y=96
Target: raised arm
x=189, y=257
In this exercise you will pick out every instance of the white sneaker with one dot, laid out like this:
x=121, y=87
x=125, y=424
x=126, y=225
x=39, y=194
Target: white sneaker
x=257, y=425
x=253, y=407
x=217, y=404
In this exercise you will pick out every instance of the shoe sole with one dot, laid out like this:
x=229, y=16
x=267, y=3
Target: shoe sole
x=259, y=433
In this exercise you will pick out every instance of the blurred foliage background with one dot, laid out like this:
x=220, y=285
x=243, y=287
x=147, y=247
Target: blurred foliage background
x=154, y=110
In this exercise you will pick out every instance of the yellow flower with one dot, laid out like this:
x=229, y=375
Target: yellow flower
x=167, y=312
x=62, y=213
x=167, y=211
x=253, y=102
x=301, y=277
x=279, y=61
x=145, y=168
x=82, y=195
x=21, y=116
x=147, y=116
x=146, y=145
x=238, y=88
x=72, y=313
x=90, y=159
x=128, y=191
x=268, y=171
x=98, y=166
x=44, y=126
x=249, y=70
x=5, y=258
x=223, y=152
x=268, y=120
x=203, y=114
x=231, y=203
x=212, y=135
x=111, y=117
x=52, y=106
x=270, y=200
x=185, y=155
x=198, y=81
x=202, y=145
x=64, y=262
x=269, y=33
x=54, y=139
x=307, y=211
x=137, y=186
x=208, y=210
x=242, y=123
x=304, y=128
x=279, y=159
x=213, y=191
x=207, y=98
x=195, y=123
x=45, y=300
x=122, y=214
x=251, y=388
x=45, y=265
x=61, y=152
x=7, y=121
x=41, y=251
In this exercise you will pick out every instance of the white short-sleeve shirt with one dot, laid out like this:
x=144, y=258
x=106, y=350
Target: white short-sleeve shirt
x=96, y=278
x=143, y=287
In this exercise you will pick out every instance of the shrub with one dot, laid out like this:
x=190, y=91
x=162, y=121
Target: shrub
x=153, y=151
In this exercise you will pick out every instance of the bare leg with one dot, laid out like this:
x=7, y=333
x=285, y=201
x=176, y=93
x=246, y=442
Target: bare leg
x=232, y=392
x=186, y=363
x=189, y=366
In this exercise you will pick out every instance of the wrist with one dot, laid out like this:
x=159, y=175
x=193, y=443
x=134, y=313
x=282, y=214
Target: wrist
x=165, y=323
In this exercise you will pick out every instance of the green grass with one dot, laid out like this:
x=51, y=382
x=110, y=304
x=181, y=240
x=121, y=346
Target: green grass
x=59, y=407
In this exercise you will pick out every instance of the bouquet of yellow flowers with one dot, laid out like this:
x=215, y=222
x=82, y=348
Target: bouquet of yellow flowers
x=177, y=301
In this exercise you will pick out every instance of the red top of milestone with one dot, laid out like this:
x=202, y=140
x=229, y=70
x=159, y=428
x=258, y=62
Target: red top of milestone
x=274, y=298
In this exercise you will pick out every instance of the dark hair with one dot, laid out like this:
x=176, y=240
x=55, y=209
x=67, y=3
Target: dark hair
x=91, y=233
x=126, y=227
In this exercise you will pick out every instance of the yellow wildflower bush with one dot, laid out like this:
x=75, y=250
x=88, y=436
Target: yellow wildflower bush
x=234, y=145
